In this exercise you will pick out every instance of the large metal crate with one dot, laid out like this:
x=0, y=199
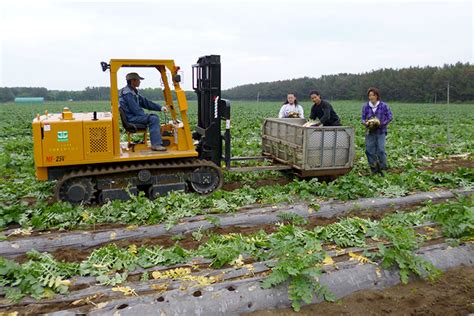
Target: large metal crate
x=311, y=150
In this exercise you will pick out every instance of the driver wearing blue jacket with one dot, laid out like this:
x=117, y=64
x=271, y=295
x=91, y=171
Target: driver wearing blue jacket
x=133, y=104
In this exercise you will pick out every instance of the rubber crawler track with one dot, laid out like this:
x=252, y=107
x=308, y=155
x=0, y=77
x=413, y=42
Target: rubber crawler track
x=186, y=166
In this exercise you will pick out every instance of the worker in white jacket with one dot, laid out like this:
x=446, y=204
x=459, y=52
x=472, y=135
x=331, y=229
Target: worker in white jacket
x=291, y=108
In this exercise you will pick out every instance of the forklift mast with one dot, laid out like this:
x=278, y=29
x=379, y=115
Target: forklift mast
x=212, y=111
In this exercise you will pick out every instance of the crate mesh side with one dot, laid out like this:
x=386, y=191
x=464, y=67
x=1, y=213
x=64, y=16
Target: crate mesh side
x=315, y=154
x=336, y=142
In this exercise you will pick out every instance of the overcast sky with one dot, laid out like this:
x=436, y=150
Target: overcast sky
x=59, y=44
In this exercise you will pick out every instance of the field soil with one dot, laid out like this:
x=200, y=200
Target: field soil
x=449, y=165
x=452, y=294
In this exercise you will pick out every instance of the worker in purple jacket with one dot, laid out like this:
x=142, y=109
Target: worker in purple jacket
x=376, y=133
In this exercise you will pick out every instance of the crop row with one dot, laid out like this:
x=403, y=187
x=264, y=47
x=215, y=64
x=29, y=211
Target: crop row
x=297, y=253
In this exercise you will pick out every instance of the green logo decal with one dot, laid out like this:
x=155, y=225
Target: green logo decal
x=63, y=136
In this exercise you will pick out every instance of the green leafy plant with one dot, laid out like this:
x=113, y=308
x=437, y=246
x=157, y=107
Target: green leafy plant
x=400, y=253
x=299, y=256
x=224, y=249
x=348, y=232
x=292, y=218
x=41, y=276
x=456, y=218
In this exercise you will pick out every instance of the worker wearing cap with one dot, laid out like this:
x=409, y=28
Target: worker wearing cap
x=133, y=104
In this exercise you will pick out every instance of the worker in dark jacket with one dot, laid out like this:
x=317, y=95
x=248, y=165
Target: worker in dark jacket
x=133, y=104
x=323, y=110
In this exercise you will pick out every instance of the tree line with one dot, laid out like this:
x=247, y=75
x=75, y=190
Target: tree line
x=414, y=84
x=88, y=94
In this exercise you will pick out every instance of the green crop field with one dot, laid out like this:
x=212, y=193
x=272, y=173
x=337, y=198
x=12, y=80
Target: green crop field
x=429, y=147
x=418, y=133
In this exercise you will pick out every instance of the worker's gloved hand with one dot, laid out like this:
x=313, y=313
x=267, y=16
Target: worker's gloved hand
x=164, y=108
x=313, y=123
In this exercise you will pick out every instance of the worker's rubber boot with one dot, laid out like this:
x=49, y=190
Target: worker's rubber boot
x=374, y=169
x=158, y=148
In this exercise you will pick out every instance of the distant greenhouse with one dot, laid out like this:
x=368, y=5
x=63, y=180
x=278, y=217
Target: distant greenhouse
x=29, y=100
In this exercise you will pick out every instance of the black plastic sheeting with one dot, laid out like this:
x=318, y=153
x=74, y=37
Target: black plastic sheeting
x=256, y=216
x=242, y=296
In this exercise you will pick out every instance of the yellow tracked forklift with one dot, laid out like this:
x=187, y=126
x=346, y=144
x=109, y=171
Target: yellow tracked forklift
x=83, y=151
